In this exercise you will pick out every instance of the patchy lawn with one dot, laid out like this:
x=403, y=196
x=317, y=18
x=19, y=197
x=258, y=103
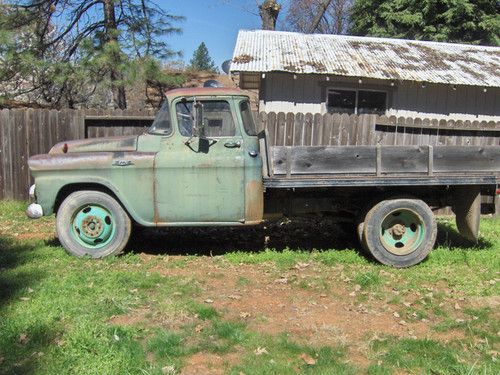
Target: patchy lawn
x=222, y=301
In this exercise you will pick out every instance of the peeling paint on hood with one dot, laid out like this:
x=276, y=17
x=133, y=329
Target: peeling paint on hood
x=125, y=143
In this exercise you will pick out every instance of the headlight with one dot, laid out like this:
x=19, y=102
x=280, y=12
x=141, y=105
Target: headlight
x=32, y=192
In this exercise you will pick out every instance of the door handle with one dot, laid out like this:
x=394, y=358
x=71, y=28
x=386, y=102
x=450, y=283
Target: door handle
x=232, y=144
x=253, y=153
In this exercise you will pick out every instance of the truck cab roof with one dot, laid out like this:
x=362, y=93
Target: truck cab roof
x=204, y=91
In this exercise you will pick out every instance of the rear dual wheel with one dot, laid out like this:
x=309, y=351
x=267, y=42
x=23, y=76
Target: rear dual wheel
x=399, y=232
x=92, y=223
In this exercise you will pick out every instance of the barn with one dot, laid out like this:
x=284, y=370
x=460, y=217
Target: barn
x=317, y=73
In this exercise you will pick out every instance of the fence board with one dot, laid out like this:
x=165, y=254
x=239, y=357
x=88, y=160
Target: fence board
x=26, y=132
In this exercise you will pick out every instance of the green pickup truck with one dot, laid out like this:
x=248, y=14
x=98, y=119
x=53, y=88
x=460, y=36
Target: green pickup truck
x=202, y=163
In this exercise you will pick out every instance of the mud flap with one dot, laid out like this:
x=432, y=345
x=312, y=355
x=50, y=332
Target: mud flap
x=467, y=209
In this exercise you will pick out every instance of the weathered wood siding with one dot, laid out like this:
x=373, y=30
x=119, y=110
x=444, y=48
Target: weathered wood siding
x=27, y=132
x=284, y=92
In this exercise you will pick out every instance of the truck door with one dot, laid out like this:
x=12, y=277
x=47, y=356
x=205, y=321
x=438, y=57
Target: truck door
x=201, y=180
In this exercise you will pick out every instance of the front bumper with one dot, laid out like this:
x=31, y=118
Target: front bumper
x=34, y=211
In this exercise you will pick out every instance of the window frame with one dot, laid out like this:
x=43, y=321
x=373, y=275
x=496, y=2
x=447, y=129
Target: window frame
x=357, y=90
x=229, y=100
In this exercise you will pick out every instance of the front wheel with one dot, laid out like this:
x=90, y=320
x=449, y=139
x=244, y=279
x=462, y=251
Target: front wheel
x=92, y=223
x=399, y=232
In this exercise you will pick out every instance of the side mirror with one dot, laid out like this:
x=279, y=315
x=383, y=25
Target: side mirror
x=199, y=127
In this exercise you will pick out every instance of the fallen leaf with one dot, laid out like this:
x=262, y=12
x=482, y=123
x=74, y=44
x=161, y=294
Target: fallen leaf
x=24, y=298
x=357, y=288
x=457, y=306
x=30, y=290
x=396, y=315
x=308, y=359
x=208, y=300
x=244, y=315
x=260, y=351
x=168, y=369
x=234, y=296
x=283, y=280
x=402, y=322
x=23, y=338
x=301, y=265
x=198, y=328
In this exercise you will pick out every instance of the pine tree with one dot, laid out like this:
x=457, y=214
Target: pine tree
x=95, y=43
x=202, y=61
x=466, y=21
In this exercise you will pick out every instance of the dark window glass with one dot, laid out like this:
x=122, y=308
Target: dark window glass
x=342, y=101
x=371, y=102
x=246, y=116
x=217, y=118
x=162, y=125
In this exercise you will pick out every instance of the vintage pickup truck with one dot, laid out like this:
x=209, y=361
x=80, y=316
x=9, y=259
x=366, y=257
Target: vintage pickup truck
x=202, y=163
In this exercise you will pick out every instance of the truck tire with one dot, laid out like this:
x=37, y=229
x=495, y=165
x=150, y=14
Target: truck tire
x=399, y=232
x=92, y=223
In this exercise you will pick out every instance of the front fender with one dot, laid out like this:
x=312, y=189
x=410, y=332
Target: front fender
x=132, y=183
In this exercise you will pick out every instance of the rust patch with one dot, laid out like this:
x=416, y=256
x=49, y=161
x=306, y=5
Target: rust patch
x=156, y=217
x=254, y=201
x=122, y=143
x=243, y=59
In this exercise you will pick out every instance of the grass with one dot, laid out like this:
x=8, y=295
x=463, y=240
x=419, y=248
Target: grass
x=137, y=315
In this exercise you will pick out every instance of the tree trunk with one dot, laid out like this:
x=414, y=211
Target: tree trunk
x=111, y=36
x=269, y=11
x=322, y=7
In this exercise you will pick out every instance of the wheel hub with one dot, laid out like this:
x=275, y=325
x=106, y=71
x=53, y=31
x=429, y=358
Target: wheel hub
x=402, y=232
x=92, y=226
x=397, y=231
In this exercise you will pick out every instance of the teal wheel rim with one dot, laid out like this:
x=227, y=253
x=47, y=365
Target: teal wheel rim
x=93, y=226
x=402, y=231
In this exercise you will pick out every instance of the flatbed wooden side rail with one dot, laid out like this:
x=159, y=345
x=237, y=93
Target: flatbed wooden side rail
x=380, y=161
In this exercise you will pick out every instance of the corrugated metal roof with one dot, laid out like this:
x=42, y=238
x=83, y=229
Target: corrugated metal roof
x=381, y=58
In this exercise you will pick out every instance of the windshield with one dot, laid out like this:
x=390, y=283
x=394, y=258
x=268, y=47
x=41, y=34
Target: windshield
x=161, y=124
x=247, y=117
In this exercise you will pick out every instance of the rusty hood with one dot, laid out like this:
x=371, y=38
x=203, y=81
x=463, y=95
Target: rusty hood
x=124, y=143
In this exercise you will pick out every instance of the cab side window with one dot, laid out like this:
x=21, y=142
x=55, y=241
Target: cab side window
x=217, y=118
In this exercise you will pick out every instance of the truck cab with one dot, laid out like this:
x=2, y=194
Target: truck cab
x=199, y=164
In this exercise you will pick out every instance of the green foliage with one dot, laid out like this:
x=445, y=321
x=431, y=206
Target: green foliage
x=202, y=61
x=96, y=48
x=467, y=21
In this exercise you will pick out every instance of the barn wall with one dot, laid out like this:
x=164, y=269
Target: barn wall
x=281, y=92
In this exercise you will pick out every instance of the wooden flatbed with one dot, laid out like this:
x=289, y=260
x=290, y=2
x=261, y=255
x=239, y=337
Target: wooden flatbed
x=344, y=166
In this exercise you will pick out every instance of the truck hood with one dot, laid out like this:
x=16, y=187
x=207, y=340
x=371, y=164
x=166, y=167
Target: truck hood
x=125, y=143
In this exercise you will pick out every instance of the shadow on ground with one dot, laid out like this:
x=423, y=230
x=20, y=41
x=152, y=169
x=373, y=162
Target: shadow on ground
x=20, y=345
x=304, y=234
x=448, y=237
x=300, y=233
x=14, y=254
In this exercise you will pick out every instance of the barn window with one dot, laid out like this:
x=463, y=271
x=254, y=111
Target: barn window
x=357, y=101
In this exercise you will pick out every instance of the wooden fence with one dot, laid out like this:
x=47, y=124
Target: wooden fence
x=27, y=132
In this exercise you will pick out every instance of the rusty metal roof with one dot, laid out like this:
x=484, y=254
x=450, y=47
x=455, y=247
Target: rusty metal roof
x=380, y=58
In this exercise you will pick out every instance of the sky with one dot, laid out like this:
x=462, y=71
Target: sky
x=215, y=22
